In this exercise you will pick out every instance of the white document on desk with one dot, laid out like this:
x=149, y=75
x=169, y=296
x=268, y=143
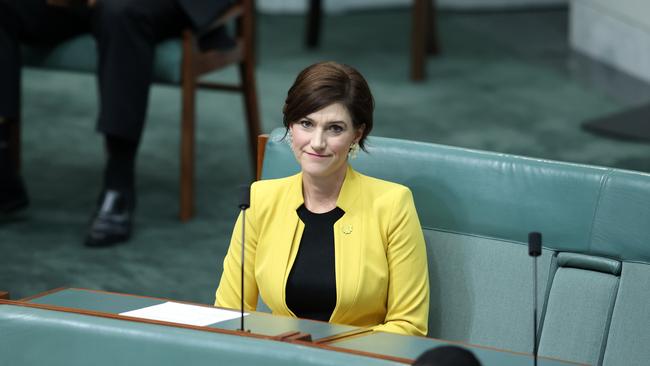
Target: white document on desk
x=184, y=314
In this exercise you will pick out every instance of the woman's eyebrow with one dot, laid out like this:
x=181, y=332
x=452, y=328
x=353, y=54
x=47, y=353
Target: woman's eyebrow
x=326, y=122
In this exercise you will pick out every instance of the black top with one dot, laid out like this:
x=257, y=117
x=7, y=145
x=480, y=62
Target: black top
x=311, y=286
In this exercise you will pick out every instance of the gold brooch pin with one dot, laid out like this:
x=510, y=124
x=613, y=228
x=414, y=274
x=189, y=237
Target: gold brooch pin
x=347, y=229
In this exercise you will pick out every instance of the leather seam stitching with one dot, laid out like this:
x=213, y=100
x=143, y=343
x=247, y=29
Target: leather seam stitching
x=605, y=179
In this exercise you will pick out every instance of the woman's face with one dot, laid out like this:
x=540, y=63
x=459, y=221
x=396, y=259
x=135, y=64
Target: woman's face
x=321, y=140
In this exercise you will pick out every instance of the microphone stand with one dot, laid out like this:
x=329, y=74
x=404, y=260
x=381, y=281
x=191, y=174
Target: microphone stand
x=534, y=250
x=243, y=238
x=244, y=204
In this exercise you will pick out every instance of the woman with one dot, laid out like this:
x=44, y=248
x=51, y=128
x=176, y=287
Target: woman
x=329, y=243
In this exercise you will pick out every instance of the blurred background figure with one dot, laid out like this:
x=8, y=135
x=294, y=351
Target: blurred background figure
x=126, y=32
x=447, y=356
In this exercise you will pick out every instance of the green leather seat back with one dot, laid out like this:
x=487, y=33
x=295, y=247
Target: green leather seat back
x=621, y=225
x=30, y=336
x=481, y=290
x=487, y=194
x=80, y=54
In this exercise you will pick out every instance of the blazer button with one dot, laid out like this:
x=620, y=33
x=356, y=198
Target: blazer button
x=347, y=229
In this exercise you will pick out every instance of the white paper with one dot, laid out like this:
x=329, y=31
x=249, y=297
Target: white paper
x=184, y=314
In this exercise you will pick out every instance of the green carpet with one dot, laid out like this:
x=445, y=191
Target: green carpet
x=503, y=83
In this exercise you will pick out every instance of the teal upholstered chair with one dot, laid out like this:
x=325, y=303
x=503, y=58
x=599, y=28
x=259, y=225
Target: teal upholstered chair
x=476, y=209
x=177, y=62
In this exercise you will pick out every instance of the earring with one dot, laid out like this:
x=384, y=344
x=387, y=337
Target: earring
x=354, y=150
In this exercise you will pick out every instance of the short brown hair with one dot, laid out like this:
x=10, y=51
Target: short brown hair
x=324, y=84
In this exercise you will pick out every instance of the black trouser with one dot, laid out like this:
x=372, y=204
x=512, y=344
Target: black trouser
x=126, y=32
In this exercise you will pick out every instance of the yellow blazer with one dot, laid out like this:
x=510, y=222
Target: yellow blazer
x=380, y=255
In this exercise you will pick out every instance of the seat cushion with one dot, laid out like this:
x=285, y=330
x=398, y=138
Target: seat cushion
x=629, y=336
x=577, y=316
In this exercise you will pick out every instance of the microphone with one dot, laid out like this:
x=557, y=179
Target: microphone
x=534, y=250
x=244, y=196
x=244, y=204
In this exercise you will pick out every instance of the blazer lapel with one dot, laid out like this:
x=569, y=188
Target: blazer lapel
x=288, y=231
x=347, y=244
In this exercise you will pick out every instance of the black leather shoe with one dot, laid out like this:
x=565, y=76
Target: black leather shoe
x=13, y=195
x=111, y=222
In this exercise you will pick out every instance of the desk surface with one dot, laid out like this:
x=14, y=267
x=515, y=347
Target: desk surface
x=256, y=322
x=374, y=344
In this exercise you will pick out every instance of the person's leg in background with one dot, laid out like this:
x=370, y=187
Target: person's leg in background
x=32, y=22
x=12, y=189
x=127, y=32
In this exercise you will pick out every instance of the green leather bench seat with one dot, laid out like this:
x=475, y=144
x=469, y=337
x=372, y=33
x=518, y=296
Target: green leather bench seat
x=80, y=54
x=476, y=209
x=30, y=336
x=480, y=193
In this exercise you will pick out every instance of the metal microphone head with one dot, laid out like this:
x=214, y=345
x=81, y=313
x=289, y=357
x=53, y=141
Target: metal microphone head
x=244, y=196
x=534, y=244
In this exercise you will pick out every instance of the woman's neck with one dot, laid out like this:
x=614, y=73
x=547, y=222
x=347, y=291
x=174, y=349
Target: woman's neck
x=321, y=193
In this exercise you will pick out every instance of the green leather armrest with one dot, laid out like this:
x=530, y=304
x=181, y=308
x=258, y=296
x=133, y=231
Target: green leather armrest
x=590, y=263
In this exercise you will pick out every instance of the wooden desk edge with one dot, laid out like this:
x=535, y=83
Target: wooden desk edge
x=331, y=338
x=343, y=337
x=42, y=294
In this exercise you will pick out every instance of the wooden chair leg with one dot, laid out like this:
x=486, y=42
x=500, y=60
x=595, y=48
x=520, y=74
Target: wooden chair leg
x=254, y=129
x=261, y=149
x=433, y=46
x=187, y=130
x=314, y=23
x=418, y=38
x=247, y=76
